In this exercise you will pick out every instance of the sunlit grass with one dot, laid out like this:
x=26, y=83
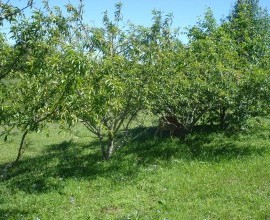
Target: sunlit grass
x=210, y=175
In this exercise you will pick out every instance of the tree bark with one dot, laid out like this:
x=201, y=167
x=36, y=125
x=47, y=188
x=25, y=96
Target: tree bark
x=21, y=148
x=110, y=149
x=222, y=115
x=102, y=147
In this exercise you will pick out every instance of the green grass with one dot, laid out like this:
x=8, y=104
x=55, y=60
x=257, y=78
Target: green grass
x=210, y=175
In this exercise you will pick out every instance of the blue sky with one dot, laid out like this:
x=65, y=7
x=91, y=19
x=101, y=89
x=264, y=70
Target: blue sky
x=186, y=12
x=139, y=11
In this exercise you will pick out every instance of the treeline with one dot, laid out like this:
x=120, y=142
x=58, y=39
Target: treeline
x=61, y=69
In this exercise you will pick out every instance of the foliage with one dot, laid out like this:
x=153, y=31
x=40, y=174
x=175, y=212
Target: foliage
x=249, y=26
x=39, y=75
x=9, y=12
x=63, y=69
x=108, y=96
x=229, y=58
x=197, y=79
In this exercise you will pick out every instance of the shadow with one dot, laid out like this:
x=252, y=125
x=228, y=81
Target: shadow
x=12, y=214
x=46, y=172
x=68, y=159
x=211, y=143
x=214, y=149
x=208, y=143
x=148, y=147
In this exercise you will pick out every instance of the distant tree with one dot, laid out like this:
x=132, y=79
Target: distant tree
x=249, y=26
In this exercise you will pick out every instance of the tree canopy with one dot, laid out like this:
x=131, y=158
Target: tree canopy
x=62, y=69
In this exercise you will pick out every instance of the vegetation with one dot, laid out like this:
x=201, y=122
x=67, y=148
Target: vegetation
x=103, y=89
x=104, y=77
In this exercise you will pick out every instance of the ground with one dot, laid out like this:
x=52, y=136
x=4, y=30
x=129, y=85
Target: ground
x=212, y=174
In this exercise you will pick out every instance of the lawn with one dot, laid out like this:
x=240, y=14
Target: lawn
x=209, y=175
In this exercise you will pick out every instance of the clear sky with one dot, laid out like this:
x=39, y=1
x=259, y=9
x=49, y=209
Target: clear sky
x=185, y=12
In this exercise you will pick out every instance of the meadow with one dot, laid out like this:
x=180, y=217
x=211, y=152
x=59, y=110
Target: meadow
x=212, y=174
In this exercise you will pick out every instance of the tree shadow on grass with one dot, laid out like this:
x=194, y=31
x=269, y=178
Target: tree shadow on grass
x=47, y=172
x=68, y=159
x=7, y=213
x=206, y=143
x=210, y=143
x=12, y=213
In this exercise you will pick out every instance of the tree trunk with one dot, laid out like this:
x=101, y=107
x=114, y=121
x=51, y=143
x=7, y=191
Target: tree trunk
x=20, y=153
x=107, y=151
x=21, y=148
x=110, y=149
x=103, y=148
x=222, y=115
x=103, y=152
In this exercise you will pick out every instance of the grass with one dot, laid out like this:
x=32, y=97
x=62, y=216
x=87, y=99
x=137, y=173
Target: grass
x=209, y=175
